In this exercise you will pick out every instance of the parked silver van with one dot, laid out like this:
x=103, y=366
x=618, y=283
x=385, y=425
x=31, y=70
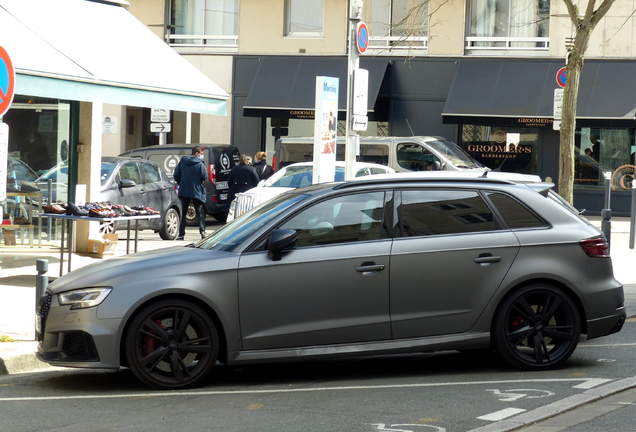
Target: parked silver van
x=418, y=153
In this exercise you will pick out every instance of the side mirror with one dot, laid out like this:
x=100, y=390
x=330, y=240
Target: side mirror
x=126, y=183
x=280, y=240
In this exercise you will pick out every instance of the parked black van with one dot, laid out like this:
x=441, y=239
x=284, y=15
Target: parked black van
x=219, y=160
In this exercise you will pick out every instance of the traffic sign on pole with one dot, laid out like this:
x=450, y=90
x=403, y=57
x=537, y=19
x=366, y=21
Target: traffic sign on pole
x=362, y=37
x=561, y=76
x=7, y=81
x=160, y=127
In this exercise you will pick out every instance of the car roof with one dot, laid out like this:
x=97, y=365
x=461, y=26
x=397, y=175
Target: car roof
x=341, y=164
x=458, y=175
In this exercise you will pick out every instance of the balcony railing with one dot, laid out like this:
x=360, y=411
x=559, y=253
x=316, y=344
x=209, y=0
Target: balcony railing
x=216, y=43
x=497, y=45
x=398, y=44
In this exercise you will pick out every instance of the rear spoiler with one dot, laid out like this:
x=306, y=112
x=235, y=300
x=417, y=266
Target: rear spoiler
x=542, y=188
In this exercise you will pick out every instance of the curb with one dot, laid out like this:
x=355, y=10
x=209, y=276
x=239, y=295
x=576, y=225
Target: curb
x=559, y=407
x=16, y=357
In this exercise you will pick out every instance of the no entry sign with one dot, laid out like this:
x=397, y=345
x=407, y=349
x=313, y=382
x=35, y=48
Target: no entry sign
x=362, y=37
x=561, y=77
x=7, y=81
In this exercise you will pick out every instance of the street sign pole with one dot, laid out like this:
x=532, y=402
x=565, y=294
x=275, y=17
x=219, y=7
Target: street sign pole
x=355, y=15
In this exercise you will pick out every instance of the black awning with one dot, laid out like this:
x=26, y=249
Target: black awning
x=486, y=91
x=285, y=87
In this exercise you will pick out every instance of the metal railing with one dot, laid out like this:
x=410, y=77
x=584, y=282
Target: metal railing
x=398, y=44
x=479, y=45
x=222, y=43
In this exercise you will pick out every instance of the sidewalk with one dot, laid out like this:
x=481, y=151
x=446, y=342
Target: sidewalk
x=18, y=274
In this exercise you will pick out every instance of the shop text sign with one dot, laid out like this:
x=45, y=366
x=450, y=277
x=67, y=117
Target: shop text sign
x=7, y=81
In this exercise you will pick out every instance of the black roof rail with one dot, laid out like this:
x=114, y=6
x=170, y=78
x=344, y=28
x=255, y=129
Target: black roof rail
x=377, y=179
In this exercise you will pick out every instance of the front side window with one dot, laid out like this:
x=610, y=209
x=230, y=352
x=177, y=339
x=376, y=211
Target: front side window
x=508, y=23
x=344, y=219
x=414, y=157
x=211, y=18
x=304, y=18
x=437, y=212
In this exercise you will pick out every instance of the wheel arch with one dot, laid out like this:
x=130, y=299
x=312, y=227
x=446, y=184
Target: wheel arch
x=222, y=356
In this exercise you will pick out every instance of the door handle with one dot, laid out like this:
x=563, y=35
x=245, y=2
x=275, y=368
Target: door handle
x=369, y=268
x=487, y=259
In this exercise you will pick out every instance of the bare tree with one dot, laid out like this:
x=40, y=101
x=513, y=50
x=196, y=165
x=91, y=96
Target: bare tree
x=583, y=27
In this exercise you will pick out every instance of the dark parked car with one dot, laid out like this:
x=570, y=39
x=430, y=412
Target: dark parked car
x=145, y=184
x=381, y=264
x=219, y=160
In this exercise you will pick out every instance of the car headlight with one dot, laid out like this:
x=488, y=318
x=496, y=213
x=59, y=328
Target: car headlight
x=83, y=298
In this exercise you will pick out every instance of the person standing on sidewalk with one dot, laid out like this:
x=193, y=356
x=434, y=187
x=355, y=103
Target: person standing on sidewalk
x=190, y=175
x=242, y=178
x=263, y=170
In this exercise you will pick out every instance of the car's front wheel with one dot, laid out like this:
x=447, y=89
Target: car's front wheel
x=172, y=344
x=170, y=228
x=536, y=327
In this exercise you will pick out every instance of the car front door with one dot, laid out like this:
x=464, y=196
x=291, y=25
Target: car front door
x=332, y=288
x=130, y=196
x=449, y=262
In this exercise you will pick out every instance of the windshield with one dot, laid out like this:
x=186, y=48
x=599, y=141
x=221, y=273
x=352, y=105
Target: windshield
x=297, y=176
x=455, y=154
x=235, y=233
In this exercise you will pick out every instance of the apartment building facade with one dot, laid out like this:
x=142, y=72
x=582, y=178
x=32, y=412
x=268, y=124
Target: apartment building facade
x=482, y=73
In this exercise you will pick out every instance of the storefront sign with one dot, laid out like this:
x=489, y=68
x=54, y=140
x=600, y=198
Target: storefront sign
x=623, y=177
x=535, y=121
x=499, y=151
x=7, y=81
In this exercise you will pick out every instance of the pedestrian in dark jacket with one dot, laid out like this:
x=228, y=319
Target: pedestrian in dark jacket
x=190, y=175
x=263, y=170
x=242, y=178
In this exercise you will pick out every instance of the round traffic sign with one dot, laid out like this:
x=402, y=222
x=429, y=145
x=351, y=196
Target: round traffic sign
x=7, y=81
x=561, y=76
x=362, y=37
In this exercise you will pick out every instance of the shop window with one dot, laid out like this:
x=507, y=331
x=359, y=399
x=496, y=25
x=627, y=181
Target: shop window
x=397, y=24
x=508, y=25
x=304, y=18
x=205, y=23
x=437, y=212
x=599, y=151
x=508, y=148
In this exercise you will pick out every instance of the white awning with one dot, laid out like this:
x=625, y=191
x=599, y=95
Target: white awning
x=98, y=52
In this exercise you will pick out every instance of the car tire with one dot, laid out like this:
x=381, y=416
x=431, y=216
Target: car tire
x=221, y=217
x=537, y=327
x=170, y=228
x=192, y=219
x=168, y=356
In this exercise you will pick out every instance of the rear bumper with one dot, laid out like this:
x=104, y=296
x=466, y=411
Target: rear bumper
x=606, y=325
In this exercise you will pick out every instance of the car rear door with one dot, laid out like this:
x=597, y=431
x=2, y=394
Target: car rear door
x=450, y=260
x=157, y=190
x=332, y=288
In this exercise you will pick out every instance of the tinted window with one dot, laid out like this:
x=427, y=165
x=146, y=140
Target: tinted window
x=343, y=219
x=431, y=212
x=414, y=157
x=151, y=173
x=513, y=212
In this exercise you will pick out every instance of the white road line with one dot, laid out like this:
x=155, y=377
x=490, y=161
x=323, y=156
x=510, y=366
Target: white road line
x=500, y=415
x=296, y=390
x=591, y=383
x=605, y=345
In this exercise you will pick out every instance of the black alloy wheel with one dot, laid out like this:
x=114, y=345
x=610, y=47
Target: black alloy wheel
x=172, y=344
x=536, y=327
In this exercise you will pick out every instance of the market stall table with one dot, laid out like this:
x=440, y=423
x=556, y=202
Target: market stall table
x=70, y=219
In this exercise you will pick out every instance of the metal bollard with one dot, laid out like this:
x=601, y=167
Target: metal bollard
x=41, y=280
x=606, y=213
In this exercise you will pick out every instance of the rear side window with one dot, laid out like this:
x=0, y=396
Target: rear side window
x=441, y=211
x=514, y=214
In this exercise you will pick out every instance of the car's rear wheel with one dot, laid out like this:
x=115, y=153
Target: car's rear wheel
x=536, y=327
x=172, y=344
x=170, y=228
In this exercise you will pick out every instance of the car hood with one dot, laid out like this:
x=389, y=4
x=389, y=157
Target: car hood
x=142, y=266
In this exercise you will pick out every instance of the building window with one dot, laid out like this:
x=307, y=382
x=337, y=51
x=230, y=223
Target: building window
x=507, y=148
x=599, y=151
x=508, y=25
x=206, y=23
x=304, y=18
x=397, y=25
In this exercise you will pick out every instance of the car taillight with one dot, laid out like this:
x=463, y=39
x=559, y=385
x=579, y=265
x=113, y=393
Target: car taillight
x=596, y=247
x=274, y=162
x=212, y=174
